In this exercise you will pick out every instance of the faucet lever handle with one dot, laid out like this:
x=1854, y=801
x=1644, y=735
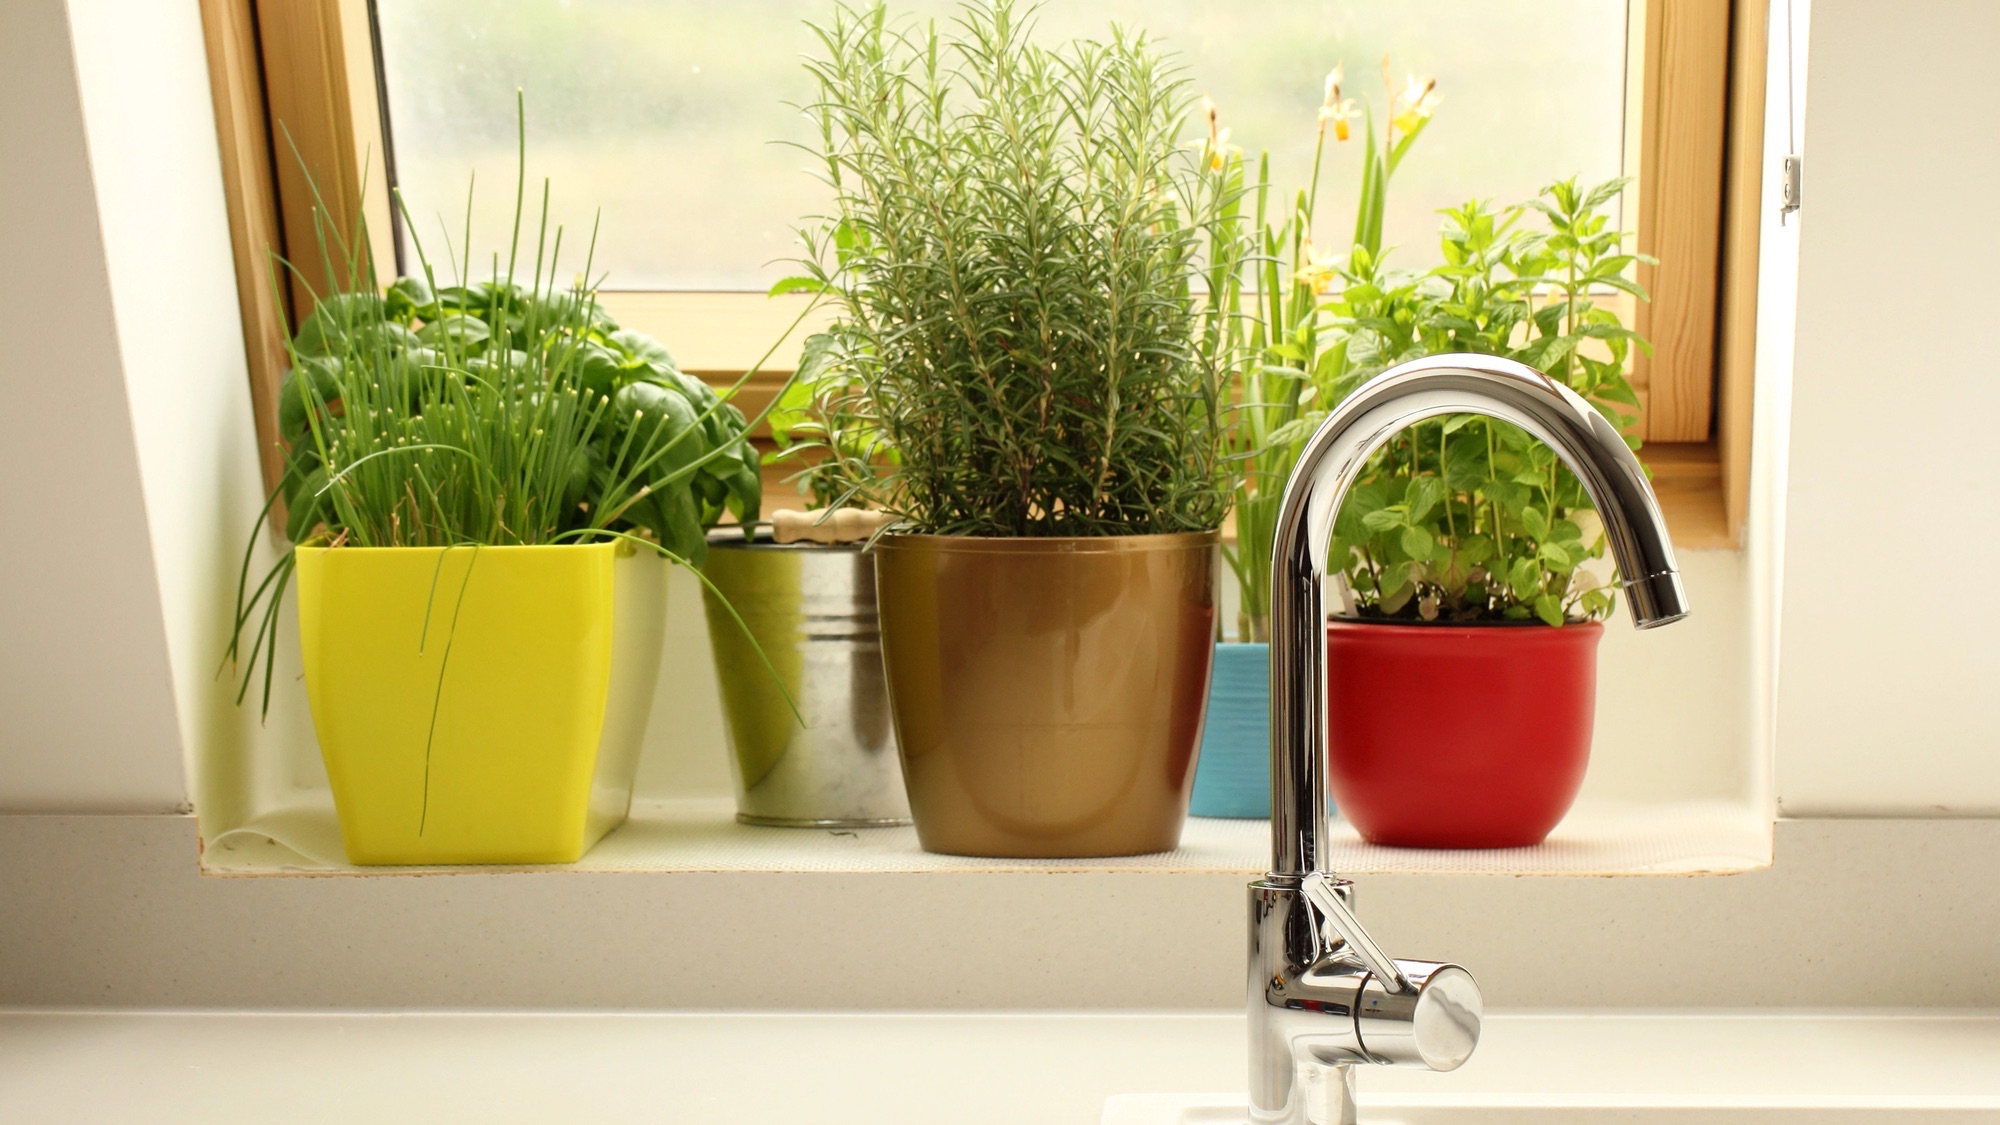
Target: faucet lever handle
x=1323, y=892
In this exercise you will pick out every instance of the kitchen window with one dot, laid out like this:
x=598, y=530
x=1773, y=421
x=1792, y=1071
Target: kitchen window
x=668, y=120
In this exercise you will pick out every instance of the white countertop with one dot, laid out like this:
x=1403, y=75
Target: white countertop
x=780, y=1068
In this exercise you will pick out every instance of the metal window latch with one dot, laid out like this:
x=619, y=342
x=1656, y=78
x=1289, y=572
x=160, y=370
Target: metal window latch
x=1794, y=167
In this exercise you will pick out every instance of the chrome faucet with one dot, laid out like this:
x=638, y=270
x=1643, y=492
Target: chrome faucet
x=1323, y=995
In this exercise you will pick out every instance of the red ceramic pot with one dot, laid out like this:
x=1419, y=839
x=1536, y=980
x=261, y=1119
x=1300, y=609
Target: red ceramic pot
x=1458, y=736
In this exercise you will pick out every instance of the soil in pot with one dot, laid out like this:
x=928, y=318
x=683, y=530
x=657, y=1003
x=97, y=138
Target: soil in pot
x=1048, y=693
x=1458, y=736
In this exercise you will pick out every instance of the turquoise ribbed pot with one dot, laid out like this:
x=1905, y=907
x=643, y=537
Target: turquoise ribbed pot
x=1233, y=778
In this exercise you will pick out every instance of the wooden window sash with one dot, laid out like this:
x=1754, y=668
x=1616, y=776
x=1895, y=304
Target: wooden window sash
x=1743, y=198
x=1681, y=154
x=250, y=194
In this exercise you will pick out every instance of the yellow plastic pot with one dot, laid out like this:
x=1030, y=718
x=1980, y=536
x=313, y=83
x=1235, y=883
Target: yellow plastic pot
x=479, y=705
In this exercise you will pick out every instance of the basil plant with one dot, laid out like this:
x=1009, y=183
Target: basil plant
x=536, y=417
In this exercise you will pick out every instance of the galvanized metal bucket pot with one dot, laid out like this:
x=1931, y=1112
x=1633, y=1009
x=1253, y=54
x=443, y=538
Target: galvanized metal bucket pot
x=811, y=607
x=1048, y=693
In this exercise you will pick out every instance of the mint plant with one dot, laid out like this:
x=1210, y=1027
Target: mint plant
x=1468, y=518
x=1458, y=519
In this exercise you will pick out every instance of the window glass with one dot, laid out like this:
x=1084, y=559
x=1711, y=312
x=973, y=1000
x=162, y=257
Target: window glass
x=668, y=118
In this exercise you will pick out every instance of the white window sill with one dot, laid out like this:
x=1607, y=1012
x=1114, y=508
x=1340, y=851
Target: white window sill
x=701, y=835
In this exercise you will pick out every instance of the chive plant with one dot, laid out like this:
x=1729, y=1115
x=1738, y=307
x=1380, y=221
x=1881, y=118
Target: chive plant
x=506, y=410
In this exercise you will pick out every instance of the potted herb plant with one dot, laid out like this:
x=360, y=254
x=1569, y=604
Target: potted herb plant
x=1014, y=235
x=805, y=589
x=479, y=479
x=1466, y=656
x=1288, y=353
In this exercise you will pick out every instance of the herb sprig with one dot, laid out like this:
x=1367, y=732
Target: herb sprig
x=1018, y=350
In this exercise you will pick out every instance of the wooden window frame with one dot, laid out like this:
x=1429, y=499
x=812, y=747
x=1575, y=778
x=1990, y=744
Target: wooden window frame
x=296, y=83
x=1697, y=146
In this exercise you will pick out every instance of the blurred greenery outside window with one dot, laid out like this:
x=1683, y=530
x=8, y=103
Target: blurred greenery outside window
x=667, y=121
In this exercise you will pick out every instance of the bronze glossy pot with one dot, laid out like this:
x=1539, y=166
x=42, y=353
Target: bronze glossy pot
x=1048, y=693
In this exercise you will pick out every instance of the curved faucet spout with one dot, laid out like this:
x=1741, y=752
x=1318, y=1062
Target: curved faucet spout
x=1335, y=456
x=1321, y=991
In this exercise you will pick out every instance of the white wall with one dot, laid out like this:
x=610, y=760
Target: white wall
x=1891, y=634
x=150, y=121
x=87, y=714
x=125, y=442
x=1777, y=315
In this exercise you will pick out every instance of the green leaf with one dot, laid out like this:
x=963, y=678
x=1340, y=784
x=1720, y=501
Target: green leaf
x=1383, y=519
x=598, y=368
x=1607, y=332
x=334, y=319
x=1618, y=390
x=1417, y=543
x=409, y=297
x=798, y=285
x=1524, y=578
x=323, y=375
x=660, y=418
x=1549, y=609
x=1396, y=597
x=1536, y=523
x=646, y=348
x=1425, y=493
x=1368, y=497
x=308, y=506
x=1603, y=193
x=745, y=482
x=1394, y=575
x=466, y=331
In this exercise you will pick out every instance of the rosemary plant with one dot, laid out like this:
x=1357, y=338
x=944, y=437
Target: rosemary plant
x=1019, y=350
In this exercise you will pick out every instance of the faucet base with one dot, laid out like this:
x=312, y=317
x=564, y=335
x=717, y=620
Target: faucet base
x=1302, y=995
x=1323, y=995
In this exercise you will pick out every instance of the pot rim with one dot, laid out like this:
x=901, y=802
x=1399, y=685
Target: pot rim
x=482, y=548
x=730, y=537
x=1048, y=545
x=1341, y=622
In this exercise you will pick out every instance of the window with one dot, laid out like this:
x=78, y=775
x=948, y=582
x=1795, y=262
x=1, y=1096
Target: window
x=671, y=116
x=675, y=117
